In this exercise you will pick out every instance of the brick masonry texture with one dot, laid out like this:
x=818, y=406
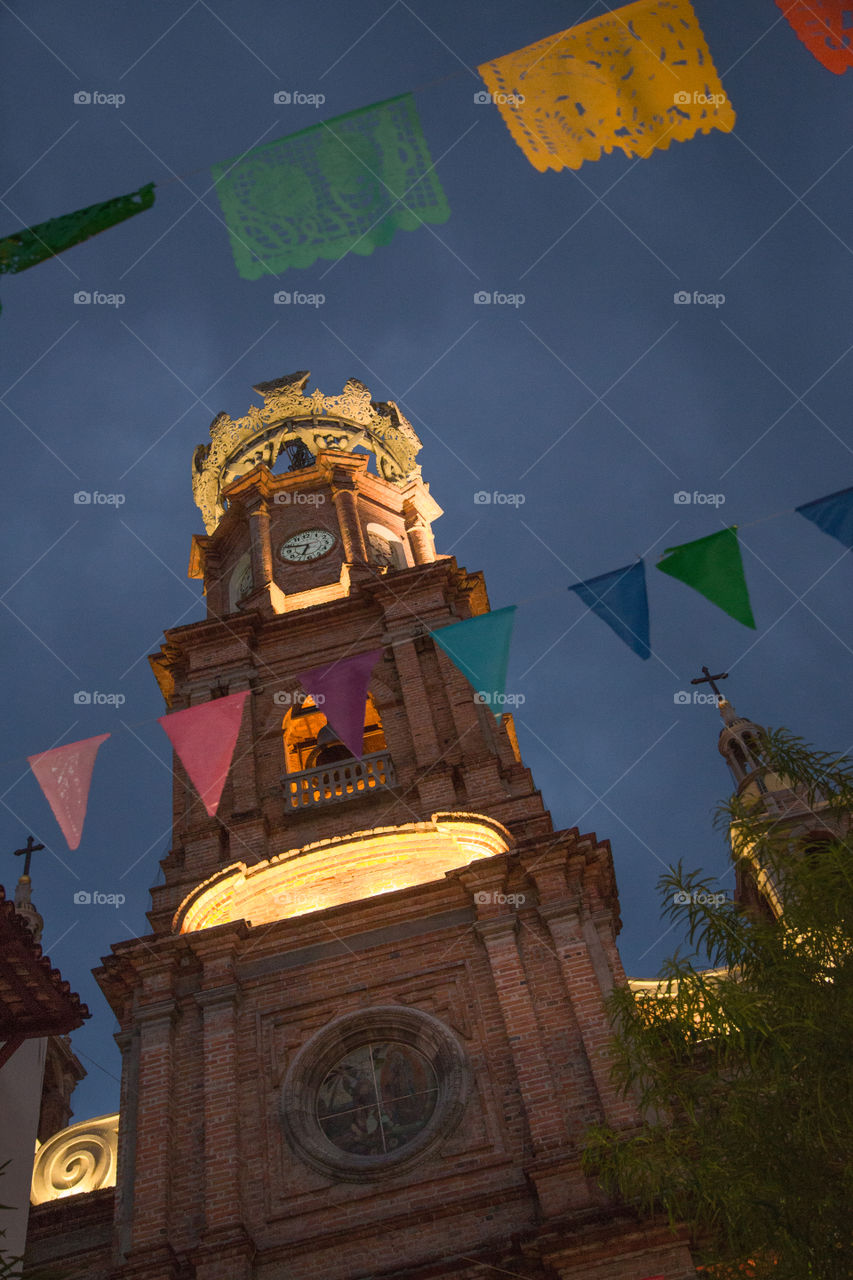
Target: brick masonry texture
x=513, y=954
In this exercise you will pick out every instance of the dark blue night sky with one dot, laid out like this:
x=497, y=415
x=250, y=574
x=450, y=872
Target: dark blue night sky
x=597, y=399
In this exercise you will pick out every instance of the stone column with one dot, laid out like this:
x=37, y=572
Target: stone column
x=344, y=491
x=244, y=782
x=564, y=919
x=259, y=527
x=227, y=1250
x=128, y=1043
x=498, y=929
x=152, y=1160
x=416, y=702
x=419, y=535
x=539, y=1096
x=419, y=510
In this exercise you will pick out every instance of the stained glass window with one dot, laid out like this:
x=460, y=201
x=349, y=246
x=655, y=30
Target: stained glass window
x=377, y=1098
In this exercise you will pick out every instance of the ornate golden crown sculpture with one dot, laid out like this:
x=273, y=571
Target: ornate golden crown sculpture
x=318, y=421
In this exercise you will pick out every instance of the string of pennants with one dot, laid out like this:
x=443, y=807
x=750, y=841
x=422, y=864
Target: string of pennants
x=635, y=79
x=204, y=737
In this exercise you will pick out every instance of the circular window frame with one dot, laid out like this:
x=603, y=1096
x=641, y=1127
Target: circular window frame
x=341, y=1037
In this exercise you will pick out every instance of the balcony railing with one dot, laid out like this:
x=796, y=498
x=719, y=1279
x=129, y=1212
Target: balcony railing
x=344, y=780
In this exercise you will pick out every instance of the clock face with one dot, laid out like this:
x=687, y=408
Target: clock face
x=311, y=544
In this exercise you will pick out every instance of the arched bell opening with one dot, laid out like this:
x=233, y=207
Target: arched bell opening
x=310, y=742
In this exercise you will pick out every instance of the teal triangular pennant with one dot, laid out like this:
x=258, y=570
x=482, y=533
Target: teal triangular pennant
x=479, y=647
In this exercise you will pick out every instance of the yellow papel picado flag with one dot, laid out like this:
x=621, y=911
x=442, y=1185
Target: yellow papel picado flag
x=636, y=79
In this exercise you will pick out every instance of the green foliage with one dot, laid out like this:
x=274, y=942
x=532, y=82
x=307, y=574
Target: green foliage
x=741, y=1062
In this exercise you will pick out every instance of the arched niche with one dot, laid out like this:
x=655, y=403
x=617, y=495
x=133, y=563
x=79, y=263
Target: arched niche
x=310, y=742
x=384, y=547
x=240, y=583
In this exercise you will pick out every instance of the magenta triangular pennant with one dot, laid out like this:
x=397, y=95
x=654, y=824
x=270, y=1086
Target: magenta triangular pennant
x=204, y=738
x=340, y=691
x=64, y=775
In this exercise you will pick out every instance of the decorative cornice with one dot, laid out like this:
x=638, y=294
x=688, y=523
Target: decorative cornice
x=320, y=422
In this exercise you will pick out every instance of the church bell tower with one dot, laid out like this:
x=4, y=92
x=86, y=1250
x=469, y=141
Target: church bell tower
x=775, y=798
x=366, y=1032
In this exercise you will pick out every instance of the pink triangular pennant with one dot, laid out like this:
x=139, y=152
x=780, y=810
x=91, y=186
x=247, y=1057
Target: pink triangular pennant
x=204, y=738
x=340, y=691
x=64, y=775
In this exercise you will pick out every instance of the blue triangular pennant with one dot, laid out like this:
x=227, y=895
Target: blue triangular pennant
x=619, y=599
x=479, y=647
x=833, y=514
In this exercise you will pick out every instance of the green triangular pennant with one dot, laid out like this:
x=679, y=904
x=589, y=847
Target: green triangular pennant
x=47, y=239
x=713, y=567
x=479, y=647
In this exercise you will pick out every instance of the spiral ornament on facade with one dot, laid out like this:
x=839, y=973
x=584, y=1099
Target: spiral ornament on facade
x=76, y=1160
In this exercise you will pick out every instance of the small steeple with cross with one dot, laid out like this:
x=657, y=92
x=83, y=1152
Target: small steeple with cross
x=23, y=891
x=707, y=678
x=27, y=853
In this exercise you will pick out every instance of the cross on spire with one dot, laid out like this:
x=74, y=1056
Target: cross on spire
x=707, y=678
x=27, y=853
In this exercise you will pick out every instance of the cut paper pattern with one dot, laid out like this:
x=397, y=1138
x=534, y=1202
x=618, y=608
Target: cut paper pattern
x=47, y=239
x=339, y=690
x=833, y=514
x=342, y=186
x=204, y=738
x=479, y=647
x=65, y=775
x=713, y=567
x=825, y=28
x=619, y=598
x=635, y=79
